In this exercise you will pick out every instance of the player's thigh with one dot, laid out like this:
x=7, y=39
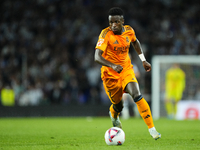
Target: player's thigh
x=113, y=89
x=130, y=84
x=126, y=97
x=127, y=77
x=178, y=96
x=171, y=95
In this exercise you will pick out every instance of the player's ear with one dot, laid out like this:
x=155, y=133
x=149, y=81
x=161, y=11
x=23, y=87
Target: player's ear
x=122, y=20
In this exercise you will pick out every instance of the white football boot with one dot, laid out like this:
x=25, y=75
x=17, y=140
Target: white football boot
x=115, y=121
x=155, y=135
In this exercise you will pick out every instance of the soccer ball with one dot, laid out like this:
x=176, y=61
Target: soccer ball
x=114, y=136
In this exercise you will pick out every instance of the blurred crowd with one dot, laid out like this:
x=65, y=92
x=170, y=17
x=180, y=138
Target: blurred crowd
x=47, y=46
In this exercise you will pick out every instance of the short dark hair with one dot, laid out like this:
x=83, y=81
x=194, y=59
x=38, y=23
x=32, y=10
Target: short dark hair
x=116, y=11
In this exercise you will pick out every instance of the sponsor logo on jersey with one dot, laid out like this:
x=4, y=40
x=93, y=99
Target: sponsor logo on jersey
x=121, y=50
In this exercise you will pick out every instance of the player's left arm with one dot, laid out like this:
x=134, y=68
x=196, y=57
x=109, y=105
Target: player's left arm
x=137, y=46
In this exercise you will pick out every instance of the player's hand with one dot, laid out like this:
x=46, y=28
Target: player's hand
x=117, y=68
x=147, y=66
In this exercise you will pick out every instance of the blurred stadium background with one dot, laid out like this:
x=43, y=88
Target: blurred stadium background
x=47, y=46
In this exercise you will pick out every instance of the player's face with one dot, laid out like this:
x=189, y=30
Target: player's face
x=116, y=23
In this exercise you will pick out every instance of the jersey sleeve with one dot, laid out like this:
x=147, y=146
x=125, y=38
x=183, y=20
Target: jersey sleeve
x=102, y=42
x=132, y=32
x=133, y=37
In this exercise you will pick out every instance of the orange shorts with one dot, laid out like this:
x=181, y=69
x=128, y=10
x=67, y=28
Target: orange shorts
x=115, y=87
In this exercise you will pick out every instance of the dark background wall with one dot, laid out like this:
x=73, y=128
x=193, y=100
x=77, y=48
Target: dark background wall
x=54, y=111
x=47, y=49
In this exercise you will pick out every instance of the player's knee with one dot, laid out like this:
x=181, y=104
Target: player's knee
x=138, y=98
x=135, y=95
x=118, y=107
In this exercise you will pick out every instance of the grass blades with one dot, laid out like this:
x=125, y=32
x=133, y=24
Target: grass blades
x=88, y=134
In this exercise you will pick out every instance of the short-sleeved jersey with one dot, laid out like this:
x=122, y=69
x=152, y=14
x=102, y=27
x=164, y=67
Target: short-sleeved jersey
x=115, y=49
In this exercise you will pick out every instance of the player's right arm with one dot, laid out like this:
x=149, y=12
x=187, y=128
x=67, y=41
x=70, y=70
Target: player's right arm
x=101, y=60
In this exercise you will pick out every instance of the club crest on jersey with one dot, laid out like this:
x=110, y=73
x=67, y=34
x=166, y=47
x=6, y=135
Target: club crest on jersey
x=100, y=42
x=127, y=40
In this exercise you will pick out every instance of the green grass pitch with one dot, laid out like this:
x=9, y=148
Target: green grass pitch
x=87, y=133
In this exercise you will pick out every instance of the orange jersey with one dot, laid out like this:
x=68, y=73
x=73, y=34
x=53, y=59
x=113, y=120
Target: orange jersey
x=115, y=49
